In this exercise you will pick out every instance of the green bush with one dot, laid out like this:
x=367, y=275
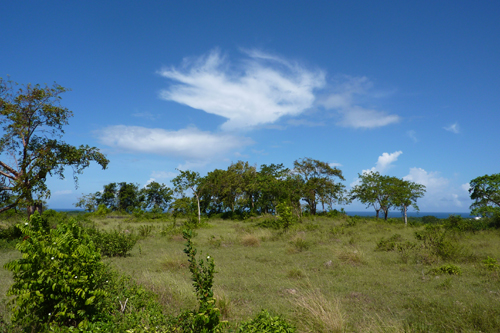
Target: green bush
x=446, y=269
x=113, y=243
x=264, y=322
x=388, y=244
x=59, y=279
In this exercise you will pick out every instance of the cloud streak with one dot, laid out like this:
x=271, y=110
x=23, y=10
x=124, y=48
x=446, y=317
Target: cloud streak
x=259, y=90
x=453, y=128
x=343, y=100
x=189, y=143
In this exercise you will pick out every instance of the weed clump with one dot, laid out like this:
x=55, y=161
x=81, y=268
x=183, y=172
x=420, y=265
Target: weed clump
x=265, y=322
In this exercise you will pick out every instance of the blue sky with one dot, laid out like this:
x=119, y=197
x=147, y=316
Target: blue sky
x=410, y=89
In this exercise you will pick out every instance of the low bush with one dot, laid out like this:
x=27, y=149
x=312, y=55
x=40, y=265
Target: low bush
x=446, y=269
x=389, y=244
x=264, y=322
x=59, y=279
x=113, y=243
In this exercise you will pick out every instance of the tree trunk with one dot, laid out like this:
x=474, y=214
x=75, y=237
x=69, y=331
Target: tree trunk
x=406, y=219
x=36, y=207
x=386, y=213
x=377, y=210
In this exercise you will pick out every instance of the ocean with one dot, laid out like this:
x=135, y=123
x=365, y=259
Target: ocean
x=397, y=214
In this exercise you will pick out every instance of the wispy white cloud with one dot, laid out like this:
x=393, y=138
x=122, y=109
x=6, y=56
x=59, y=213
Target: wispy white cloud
x=256, y=91
x=454, y=128
x=334, y=164
x=189, y=143
x=163, y=174
x=343, y=100
x=63, y=192
x=146, y=115
x=304, y=122
x=413, y=135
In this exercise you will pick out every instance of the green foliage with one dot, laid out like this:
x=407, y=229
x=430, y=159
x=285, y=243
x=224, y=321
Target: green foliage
x=446, y=269
x=485, y=191
x=32, y=125
x=102, y=210
x=59, y=278
x=207, y=317
x=113, y=243
x=459, y=224
x=491, y=263
x=264, y=322
x=430, y=219
x=285, y=216
x=435, y=239
x=389, y=244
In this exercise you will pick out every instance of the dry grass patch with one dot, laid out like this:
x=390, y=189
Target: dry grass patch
x=316, y=313
x=250, y=240
x=351, y=257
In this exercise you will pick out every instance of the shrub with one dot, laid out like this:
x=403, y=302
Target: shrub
x=446, y=269
x=59, y=279
x=113, y=243
x=436, y=240
x=264, y=322
x=388, y=244
x=491, y=263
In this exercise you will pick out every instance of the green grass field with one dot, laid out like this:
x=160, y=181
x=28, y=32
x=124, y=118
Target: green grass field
x=323, y=274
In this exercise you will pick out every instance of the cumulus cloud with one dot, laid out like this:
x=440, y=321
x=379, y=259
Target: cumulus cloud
x=440, y=192
x=343, y=100
x=453, y=128
x=256, y=91
x=189, y=143
x=430, y=179
x=384, y=162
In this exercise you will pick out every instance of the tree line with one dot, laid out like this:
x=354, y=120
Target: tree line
x=245, y=189
x=31, y=150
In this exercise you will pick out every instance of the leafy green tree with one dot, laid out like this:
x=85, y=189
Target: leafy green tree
x=129, y=197
x=485, y=191
x=88, y=202
x=157, y=196
x=374, y=190
x=30, y=147
x=404, y=194
x=189, y=180
x=319, y=183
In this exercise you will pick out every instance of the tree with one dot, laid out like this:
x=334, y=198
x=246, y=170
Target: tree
x=405, y=194
x=157, y=196
x=30, y=148
x=485, y=191
x=374, y=190
x=189, y=180
x=319, y=184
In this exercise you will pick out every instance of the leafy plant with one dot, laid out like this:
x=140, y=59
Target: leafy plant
x=264, y=322
x=388, y=244
x=113, y=243
x=59, y=278
x=207, y=317
x=491, y=263
x=447, y=269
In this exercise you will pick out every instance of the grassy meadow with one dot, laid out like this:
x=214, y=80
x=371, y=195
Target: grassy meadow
x=322, y=275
